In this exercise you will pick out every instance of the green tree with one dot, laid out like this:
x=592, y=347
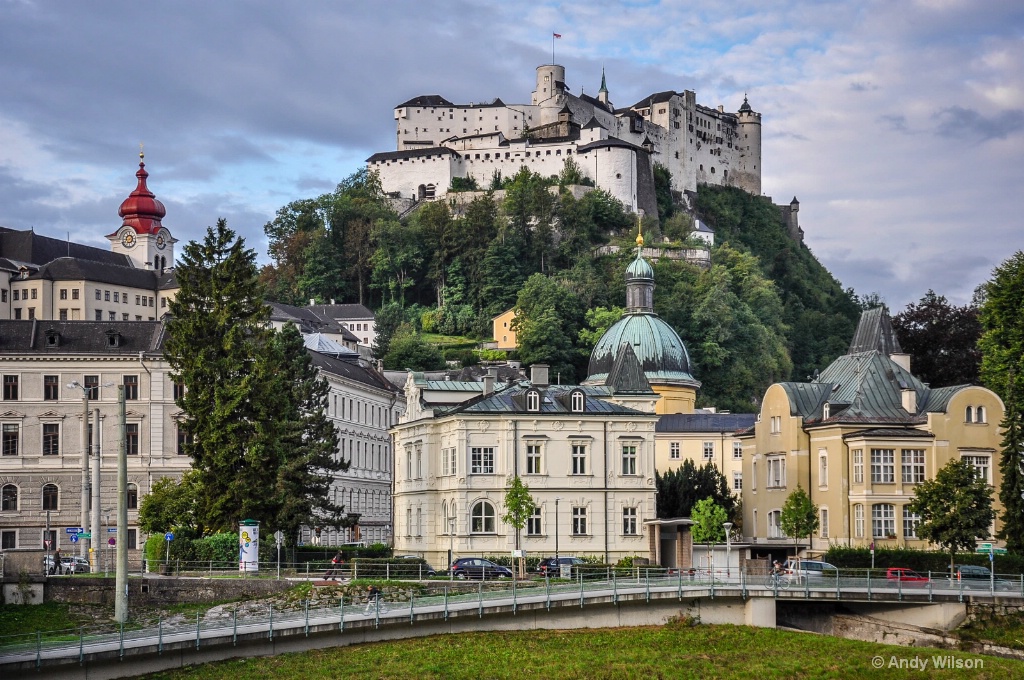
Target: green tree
x=1002, y=371
x=799, y=516
x=168, y=505
x=408, y=350
x=708, y=518
x=519, y=506
x=547, y=321
x=386, y=322
x=396, y=258
x=943, y=340
x=680, y=489
x=599, y=320
x=663, y=192
x=955, y=508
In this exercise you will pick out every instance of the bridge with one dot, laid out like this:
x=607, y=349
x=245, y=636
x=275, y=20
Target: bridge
x=643, y=599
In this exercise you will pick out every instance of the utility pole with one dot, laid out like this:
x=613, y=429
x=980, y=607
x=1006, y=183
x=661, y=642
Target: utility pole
x=121, y=574
x=86, y=450
x=96, y=542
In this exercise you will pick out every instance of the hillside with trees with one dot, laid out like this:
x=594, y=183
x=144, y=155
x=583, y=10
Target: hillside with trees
x=766, y=310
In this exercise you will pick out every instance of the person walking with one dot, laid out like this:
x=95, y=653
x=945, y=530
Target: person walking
x=336, y=562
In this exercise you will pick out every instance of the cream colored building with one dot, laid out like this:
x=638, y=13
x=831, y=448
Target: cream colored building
x=703, y=437
x=858, y=440
x=586, y=454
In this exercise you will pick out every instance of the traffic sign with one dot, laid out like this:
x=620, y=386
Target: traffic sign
x=111, y=541
x=85, y=535
x=279, y=537
x=169, y=536
x=74, y=530
x=73, y=538
x=111, y=530
x=47, y=544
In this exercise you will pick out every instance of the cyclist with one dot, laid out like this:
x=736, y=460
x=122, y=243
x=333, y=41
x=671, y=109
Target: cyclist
x=373, y=596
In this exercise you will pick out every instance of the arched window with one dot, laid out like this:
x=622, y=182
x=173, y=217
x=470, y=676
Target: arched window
x=969, y=414
x=533, y=400
x=9, y=497
x=50, y=496
x=133, y=497
x=444, y=517
x=826, y=410
x=979, y=416
x=577, y=402
x=482, y=518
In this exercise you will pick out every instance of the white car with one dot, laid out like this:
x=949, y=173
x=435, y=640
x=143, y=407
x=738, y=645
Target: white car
x=810, y=569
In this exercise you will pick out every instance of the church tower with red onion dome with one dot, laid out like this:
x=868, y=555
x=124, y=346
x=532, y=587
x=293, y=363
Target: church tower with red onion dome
x=141, y=236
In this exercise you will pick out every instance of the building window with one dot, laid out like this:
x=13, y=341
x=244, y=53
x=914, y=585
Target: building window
x=579, y=521
x=92, y=386
x=753, y=475
x=774, y=526
x=133, y=539
x=10, y=388
x=51, y=439
x=533, y=525
x=8, y=538
x=969, y=414
x=910, y=522
x=10, y=439
x=99, y=315
x=858, y=466
x=183, y=440
x=482, y=460
x=9, y=498
x=179, y=391
x=74, y=293
x=533, y=459
x=777, y=472
x=823, y=522
x=532, y=401
x=453, y=469
x=979, y=416
x=63, y=293
x=579, y=459
x=629, y=521
x=106, y=296
x=132, y=497
x=577, y=402
x=111, y=316
x=131, y=387
x=482, y=518
x=673, y=451
x=737, y=481
x=913, y=466
x=737, y=451
x=51, y=387
x=117, y=297
x=823, y=469
x=858, y=521
x=776, y=424
x=50, y=496
x=629, y=459
x=34, y=291
x=981, y=466
x=709, y=450
x=883, y=520
x=131, y=439
x=883, y=467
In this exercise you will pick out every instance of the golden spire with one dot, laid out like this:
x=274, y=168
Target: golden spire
x=640, y=230
x=142, y=153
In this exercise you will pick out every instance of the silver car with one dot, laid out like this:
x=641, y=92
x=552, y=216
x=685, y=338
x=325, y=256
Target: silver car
x=810, y=569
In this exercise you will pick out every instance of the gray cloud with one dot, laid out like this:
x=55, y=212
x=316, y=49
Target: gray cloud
x=957, y=121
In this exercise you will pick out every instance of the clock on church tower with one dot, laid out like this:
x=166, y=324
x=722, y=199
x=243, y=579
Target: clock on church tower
x=141, y=236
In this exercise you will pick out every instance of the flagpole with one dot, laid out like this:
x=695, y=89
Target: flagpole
x=552, y=48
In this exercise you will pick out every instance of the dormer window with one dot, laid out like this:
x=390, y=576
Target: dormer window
x=113, y=339
x=533, y=401
x=52, y=338
x=825, y=411
x=577, y=401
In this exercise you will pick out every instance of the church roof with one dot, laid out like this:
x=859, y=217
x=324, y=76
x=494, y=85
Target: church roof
x=141, y=210
x=657, y=346
x=627, y=375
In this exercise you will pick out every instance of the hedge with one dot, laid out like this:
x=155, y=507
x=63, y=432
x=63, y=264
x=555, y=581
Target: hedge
x=918, y=560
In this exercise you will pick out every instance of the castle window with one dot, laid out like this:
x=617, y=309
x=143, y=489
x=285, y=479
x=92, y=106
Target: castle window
x=16, y=294
x=63, y=293
x=34, y=291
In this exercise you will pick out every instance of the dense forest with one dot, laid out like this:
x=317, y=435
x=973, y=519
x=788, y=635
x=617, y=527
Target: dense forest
x=766, y=310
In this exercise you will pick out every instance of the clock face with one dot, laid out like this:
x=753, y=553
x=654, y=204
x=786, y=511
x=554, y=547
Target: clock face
x=128, y=239
x=161, y=242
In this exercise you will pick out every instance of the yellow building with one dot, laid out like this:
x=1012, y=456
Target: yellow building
x=703, y=437
x=504, y=336
x=859, y=439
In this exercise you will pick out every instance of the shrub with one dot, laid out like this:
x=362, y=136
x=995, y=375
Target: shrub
x=919, y=560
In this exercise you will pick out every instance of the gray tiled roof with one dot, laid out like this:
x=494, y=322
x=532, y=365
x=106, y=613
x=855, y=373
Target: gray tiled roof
x=352, y=370
x=874, y=332
x=426, y=100
x=705, y=422
x=611, y=141
x=75, y=269
x=341, y=312
x=553, y=401
x=411, y=153
x=81, y=337
x=890, y=433
x=30, y=247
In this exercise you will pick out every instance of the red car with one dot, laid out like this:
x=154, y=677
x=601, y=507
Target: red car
x=905, y=576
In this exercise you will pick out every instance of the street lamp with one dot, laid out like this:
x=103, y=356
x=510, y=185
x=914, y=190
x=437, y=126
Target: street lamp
x=556, y=530
x=86, y=452
x=728, y=548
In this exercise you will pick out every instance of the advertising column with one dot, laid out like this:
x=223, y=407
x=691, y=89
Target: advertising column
x=248, y=546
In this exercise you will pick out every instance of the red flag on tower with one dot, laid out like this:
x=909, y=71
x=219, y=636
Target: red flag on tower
x=557, y=35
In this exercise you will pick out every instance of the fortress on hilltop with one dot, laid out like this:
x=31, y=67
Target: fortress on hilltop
x=438, y=141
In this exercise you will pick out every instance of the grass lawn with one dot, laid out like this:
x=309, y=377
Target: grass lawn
x=672, y=651
x=449, y=340
x=20, y=619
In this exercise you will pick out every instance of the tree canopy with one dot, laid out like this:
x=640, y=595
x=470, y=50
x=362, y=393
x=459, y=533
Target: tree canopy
x=680, y=489
x=942, y=339
x=799, y=517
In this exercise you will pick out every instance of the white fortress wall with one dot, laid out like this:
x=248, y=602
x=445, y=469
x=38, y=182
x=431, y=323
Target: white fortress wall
x=404, y=176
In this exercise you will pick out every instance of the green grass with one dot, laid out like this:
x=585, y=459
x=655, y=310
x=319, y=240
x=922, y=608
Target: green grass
x=20, y=619
x=673, y=651
x=449, y=340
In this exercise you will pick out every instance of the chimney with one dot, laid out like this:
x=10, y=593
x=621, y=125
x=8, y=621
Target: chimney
x=909, y=396
x=901, y=360
x=488, y=382
x=539, y=375
x=312, y=302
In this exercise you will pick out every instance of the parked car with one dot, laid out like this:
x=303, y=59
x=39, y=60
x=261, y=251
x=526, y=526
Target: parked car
x=810, y=569
x=427, y=570
x=549, y=566
x=978, y=578
x=74, y=564
x=477, y=567
x=905, y=576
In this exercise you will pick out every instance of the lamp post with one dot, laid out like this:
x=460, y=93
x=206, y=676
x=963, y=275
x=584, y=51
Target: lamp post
x=728, y=548
x=86, y=453
x=451, y=546
x=556, y=530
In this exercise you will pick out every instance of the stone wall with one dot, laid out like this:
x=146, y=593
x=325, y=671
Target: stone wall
x=157, y=591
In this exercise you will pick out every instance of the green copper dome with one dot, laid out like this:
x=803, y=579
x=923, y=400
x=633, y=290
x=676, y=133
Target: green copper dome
x=656, y=344
x=639, y=269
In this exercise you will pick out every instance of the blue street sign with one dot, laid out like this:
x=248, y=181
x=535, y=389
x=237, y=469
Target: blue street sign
x=111, y=530
x=169, y=536
x=73, y=538
x=74, y=530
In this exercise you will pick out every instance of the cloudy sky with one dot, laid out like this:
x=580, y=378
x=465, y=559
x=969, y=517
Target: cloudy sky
x=898, y=125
